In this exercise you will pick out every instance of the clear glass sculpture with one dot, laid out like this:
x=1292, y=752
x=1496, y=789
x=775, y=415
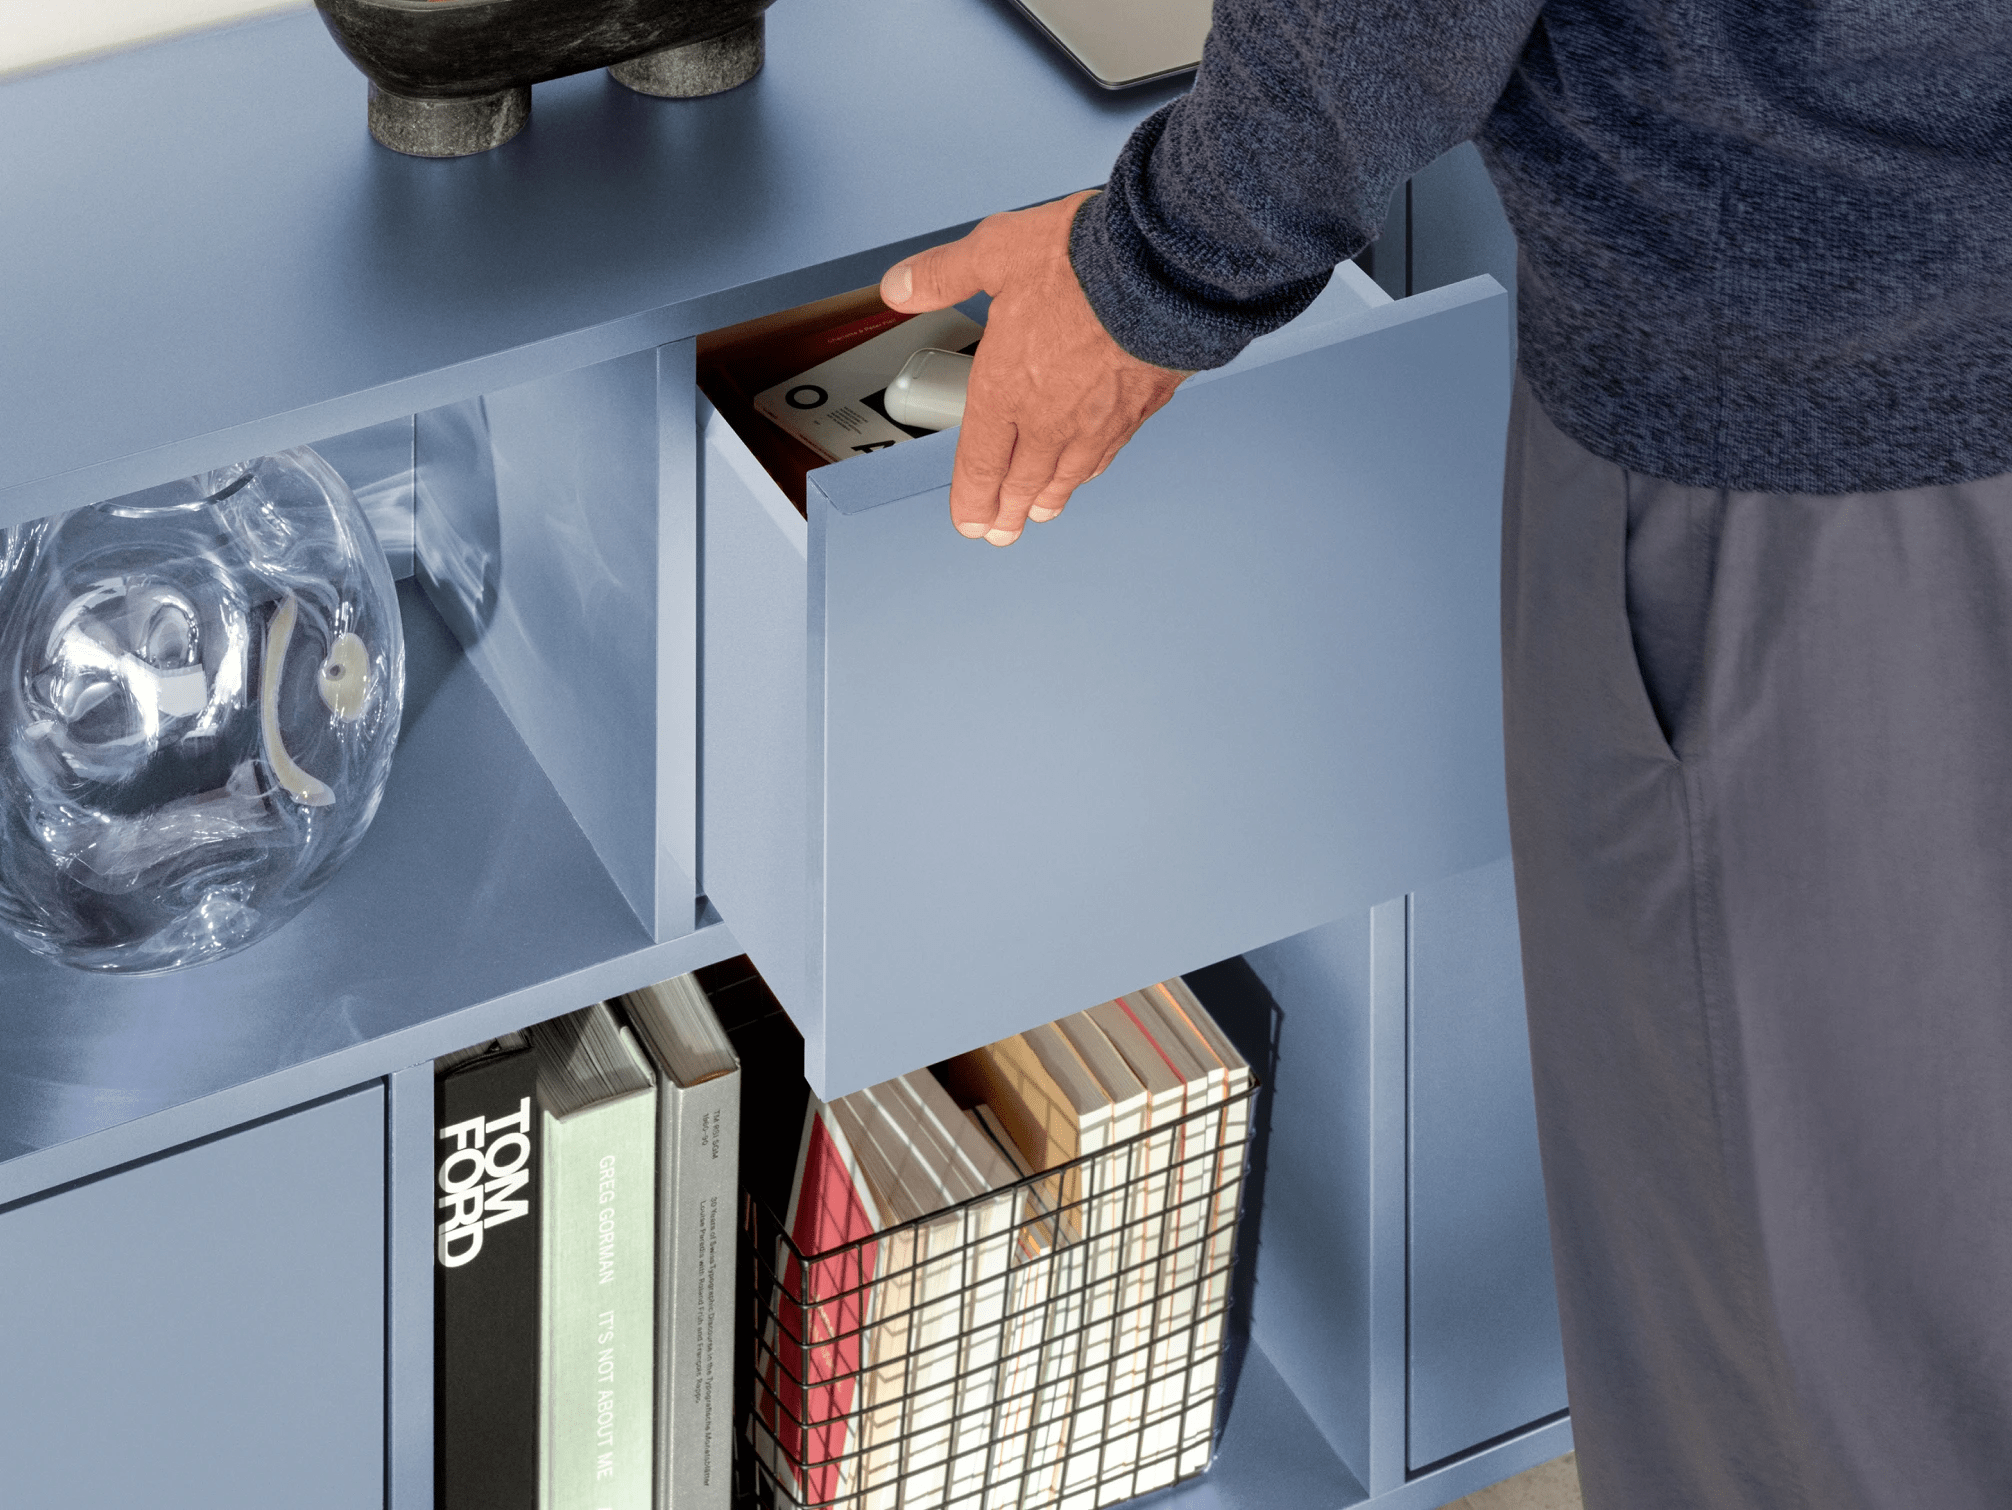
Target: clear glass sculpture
x=200, y=691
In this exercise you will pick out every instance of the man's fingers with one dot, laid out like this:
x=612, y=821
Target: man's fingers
x=1081, y=461
x=933, y=279
x=984, y=455
x=1027, y=477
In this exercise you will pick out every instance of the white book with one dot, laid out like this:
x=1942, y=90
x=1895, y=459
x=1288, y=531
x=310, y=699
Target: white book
x=1178, y=1386
x=988, y=1237
x=1022, y=1331
x=1233, y=1131
x=1113, y=1259
x=698, y=1200
x=940, y=1182
x=597, y=1283
x=1132, y=1464
x=943, y=1278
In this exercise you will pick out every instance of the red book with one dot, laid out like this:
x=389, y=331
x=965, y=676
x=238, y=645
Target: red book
x=821, y=1312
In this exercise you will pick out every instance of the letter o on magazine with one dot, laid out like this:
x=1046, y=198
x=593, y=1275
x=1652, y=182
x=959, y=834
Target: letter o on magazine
x=515, y=1141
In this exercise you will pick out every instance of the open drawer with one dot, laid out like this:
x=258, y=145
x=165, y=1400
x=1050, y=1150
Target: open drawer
x=1246, y=683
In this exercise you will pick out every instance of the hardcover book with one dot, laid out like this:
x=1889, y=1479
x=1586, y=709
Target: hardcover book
x=698, y=1183
x=597, y=1393
x=485, y=1278
x=819, y=1311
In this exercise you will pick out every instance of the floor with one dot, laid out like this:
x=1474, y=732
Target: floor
x=1548, y=1486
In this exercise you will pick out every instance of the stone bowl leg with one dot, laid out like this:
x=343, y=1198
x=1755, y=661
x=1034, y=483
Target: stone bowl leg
x=450, y=127
x=697, y=68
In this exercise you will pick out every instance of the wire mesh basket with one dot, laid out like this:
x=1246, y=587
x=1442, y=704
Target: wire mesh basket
x=1055, y=1342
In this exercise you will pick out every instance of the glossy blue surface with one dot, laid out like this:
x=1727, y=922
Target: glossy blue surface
x=1457, y=227
x=205, y=1331
x=206, y=257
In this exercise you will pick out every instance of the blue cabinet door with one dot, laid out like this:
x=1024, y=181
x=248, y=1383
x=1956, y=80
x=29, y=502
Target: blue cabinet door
x=204, y=1330
x=1484, y=1353
x=1247, y=683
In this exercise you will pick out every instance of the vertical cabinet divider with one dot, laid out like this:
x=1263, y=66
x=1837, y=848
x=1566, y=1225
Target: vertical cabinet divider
x=555, y=532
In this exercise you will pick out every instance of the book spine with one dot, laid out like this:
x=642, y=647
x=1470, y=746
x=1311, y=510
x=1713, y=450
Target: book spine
x=992, y=1230
x=485, y=1298
x=669, y=1129
x=696, y=1352
x=600, y=1259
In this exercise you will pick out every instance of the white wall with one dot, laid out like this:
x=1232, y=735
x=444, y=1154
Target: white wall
x=36, y=33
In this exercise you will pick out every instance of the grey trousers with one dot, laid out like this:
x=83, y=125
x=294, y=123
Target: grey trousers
x=1760, y=791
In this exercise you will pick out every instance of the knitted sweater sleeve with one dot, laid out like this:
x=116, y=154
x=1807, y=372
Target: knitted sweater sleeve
x=1227, y=211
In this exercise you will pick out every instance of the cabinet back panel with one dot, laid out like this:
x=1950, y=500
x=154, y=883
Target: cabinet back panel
x=205, y=1331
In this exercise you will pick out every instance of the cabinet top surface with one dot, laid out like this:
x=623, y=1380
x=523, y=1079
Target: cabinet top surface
x=204, y=253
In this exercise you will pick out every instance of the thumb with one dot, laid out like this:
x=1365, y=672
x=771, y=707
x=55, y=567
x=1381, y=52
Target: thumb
x=932, y=279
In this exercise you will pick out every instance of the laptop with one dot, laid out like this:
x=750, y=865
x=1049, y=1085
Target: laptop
x=1120, y=43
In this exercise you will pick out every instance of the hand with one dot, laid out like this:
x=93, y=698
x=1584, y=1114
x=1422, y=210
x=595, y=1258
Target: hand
x=1052, y=397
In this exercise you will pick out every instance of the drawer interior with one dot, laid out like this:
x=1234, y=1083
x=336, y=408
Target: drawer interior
x=740, y=361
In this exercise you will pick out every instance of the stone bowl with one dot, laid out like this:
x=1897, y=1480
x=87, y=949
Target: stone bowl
x=453, y=77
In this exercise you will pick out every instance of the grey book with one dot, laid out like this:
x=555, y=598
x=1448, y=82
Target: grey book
x=698, y=1190
x=598, y=1288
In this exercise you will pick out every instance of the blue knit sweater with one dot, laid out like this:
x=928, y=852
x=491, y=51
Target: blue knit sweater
x=1765, y=244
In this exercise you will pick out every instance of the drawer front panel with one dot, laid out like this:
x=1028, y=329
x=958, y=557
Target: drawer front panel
x=1247, y=683
x=205, y=1330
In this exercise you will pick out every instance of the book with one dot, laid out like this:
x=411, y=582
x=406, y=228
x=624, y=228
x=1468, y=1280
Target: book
x=598, y=1095
x=1051, y=1105
x=822, y=1303
x=1010, y=1460
x=878, y=1447
x=1117, y=1190
x=960, y=1291
x=1159, y=1201
x=698, y=1183
x=1174, y=1375
x=838, y=407
x=485, y=1296
x=1185, y=1013
x=734, y=365
x=1031, y=1250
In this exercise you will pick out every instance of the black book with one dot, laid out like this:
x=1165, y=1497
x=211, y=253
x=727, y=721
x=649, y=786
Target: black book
x=485, y=1278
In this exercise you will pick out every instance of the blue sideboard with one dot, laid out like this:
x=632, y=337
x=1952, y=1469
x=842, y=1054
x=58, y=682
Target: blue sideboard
x=1244, y=726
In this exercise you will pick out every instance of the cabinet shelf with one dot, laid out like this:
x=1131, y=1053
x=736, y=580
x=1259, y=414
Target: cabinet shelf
x=474, y=906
